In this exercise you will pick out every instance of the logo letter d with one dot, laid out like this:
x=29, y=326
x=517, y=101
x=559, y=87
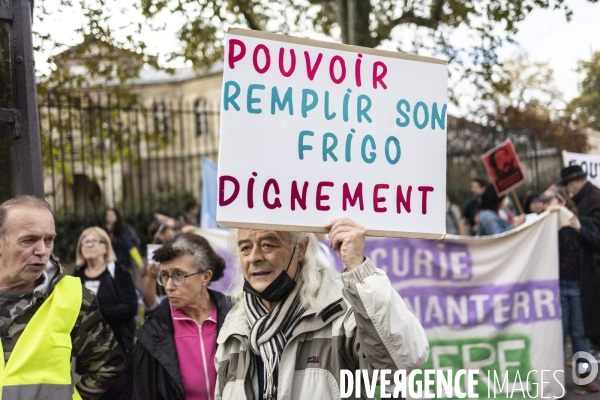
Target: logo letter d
x=577, y=374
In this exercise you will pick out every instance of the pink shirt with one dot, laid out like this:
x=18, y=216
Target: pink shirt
x=196, y=348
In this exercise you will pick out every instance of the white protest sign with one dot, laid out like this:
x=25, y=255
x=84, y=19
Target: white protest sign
x=589, y=164
x=311, y=131
x=150, y=249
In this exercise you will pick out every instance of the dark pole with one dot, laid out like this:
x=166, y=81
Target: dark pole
x=5, y=102
x=26, y=154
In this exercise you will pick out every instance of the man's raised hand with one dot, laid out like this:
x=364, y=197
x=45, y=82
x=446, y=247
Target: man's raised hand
x=348, y=239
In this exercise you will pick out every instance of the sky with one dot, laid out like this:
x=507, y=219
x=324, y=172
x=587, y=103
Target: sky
x=545, y=35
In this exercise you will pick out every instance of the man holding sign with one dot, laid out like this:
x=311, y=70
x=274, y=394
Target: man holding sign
x=293, y=328
x=311, y=131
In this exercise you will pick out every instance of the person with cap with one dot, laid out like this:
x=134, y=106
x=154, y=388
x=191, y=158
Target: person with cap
x=574, y=255
x=585, y=195
x=587, y=198
x=294, y=326
x=47, y=317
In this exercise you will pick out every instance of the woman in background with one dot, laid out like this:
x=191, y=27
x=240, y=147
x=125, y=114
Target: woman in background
x=489, y=222
x=109, y=280
x=123, y=239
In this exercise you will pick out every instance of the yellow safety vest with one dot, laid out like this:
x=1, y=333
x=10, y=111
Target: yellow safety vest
x=40, y=365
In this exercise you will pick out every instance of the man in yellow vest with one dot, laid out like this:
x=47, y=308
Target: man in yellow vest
x=46, y=318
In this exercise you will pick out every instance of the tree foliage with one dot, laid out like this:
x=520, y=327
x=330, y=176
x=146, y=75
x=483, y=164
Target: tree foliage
x=531, y=109
x=587, y=105
x=104, y=58
x=464, y=32
x=85, y=104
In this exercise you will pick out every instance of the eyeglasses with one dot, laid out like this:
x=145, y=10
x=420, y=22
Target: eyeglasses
x=178, y=277
x=92, y=242
x=165, y=223
x=547, y=200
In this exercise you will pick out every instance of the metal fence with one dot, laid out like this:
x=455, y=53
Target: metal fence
x=99, y=153
x=467, y=141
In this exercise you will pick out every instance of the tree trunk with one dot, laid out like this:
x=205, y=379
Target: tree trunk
x=342, y=18
x=362, y=24
x=354, y=19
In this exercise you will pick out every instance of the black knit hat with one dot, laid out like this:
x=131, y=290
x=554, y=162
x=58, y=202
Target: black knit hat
x=571, y=173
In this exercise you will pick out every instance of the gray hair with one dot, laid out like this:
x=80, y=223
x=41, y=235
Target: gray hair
x=204, y=257
x=312, y=272
x=22, y=200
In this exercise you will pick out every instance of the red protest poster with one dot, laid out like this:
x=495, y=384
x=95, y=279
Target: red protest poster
x=503, y=167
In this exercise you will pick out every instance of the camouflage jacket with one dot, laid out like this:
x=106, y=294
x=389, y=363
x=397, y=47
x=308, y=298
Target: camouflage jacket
x=94, y=344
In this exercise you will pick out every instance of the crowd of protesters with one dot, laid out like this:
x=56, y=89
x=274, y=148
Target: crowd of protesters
x=192, y=342
x=579, y=246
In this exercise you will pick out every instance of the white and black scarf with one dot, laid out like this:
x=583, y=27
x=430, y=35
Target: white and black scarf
x=270, y=331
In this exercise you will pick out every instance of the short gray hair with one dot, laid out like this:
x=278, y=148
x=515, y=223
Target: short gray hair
x=204, y=257
x=22, y=200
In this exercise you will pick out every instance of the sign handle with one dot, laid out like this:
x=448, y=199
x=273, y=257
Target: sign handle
x=517, y=201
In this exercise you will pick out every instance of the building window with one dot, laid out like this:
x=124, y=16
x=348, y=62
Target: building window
x=201, y=114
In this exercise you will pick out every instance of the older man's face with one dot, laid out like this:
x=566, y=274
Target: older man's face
x=265, y=254
x=29, y=243
x=574, y=186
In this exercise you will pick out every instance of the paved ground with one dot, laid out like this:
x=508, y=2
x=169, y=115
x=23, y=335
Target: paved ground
x=573, y=390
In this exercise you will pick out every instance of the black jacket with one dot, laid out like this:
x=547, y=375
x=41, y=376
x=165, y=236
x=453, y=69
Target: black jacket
x=118, y=305
x=121, y=245
x=588, y=203
x=155, y=365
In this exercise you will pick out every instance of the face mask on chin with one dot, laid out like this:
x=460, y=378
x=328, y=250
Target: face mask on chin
x=278, y=289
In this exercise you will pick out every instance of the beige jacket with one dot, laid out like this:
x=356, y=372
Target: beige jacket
x=364, y=325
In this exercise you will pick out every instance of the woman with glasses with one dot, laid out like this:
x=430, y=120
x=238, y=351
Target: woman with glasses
x=173, y=357
x=98, y=270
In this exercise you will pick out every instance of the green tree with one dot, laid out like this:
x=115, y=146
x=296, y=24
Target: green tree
x=84, y=96
x=587, y=105
x=464, y=32
x=467, y=33
x=531, y=109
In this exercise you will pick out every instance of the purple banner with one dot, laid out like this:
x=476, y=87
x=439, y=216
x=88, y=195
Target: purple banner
x=497, y=305
x=408, y=259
